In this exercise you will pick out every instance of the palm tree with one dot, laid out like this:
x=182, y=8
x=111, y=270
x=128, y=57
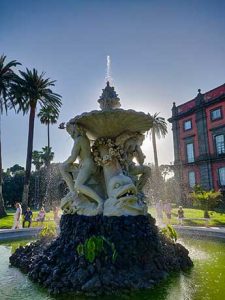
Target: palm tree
x=37, y=159
x=47, y=155
x=29, y=89
x=6, y=77
x=48, y=116
x=159, y=129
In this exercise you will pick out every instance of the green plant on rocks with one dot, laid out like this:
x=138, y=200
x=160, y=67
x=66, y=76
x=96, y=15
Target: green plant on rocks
x=96, y=246
x=169, y=232
x=48, y=231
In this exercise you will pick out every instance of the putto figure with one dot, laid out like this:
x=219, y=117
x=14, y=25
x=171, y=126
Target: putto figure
x=131, y=144
x=77, y=175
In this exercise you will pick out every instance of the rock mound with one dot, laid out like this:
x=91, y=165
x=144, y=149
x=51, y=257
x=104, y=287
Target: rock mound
x=143, y=256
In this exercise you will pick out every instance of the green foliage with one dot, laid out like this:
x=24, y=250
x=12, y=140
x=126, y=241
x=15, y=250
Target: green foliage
x=42, y=157
x=80, y=249
x=12, y=186
x=159, y=126
x=48, y=115
x=7, y=76
x=47, y=155
x=95, y=246
x=49, y=231
x=169, y=232
x=206, y=200
x=15, y=169
x=37, y=159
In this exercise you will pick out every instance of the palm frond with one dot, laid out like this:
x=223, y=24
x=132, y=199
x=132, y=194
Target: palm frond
x=31, y=88
x=7, y=76
x=48, y=115
x=159, y=126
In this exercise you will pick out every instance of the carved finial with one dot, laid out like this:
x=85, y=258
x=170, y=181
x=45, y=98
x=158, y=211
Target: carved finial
x=109, y=98
x=199, y=98
x=174, y=109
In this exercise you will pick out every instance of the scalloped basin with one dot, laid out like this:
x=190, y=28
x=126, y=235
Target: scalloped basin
x=113, y=122
x=204, y=281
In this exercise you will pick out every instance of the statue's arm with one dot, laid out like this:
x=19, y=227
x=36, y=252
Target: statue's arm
x=139, y=155
x=74, y=153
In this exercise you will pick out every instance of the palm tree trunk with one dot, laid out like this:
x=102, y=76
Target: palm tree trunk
x=2, y=206
x=29, y=157
x=155, y=149
x=48, y=135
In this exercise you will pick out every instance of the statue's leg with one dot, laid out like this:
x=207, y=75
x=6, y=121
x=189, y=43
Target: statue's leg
x=65, y=170
x=143, y=178
x=83, y=175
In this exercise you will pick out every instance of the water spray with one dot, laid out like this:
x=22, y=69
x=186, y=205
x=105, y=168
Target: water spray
x=108, y=70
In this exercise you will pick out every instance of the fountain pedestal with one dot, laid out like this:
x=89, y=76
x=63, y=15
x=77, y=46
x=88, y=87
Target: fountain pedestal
x=144, y=257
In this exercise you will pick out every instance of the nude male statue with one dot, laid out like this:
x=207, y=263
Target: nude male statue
x=86, y=167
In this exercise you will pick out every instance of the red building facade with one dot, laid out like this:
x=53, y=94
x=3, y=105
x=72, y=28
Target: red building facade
x=199, y=140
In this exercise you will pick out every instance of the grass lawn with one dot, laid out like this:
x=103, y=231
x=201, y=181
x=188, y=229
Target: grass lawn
x=7, y=222
x=216, y=219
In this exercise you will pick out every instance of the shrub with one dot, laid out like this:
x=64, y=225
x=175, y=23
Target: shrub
x=96, y=246
x=48, y=231
x=169, y=232
x=206, y=200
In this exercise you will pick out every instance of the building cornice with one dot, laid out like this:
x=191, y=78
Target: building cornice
x=196, y=108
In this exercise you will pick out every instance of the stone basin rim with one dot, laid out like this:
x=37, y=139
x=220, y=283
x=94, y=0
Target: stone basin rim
x=115, y=122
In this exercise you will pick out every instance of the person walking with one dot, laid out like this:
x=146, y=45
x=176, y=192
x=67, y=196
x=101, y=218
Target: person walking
x=159, y=212
x=168, y=211
x=27, y=217
x=17, y=217
x=180, y=214
x=56, y=213
x=41, y=215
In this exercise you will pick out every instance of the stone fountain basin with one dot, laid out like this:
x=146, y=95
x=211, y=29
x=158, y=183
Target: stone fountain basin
x=113, y=122
x=206, y=278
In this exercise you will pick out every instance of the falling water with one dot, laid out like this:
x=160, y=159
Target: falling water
x=52, y=194
x=108, y=70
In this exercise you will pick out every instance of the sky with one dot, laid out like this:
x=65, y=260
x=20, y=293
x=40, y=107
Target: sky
x=161, y=52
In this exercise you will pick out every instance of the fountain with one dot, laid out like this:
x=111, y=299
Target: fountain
x=108, y=243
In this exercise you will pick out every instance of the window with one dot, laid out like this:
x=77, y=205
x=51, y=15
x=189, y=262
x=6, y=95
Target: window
x=191, y=178
x=190, y=152
x=222, y=176
x=216, y=114
x=187, y=125
x=220, y=144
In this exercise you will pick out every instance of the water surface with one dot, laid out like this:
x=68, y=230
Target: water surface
x=205, y=281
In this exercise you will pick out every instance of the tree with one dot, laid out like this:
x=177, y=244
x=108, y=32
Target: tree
x=159, y=129
x=16, y=168
x=37, y=159
x=47, y=155
x=206, y=200
x=13, y=186
x=166, y=170
x=48, y=116
x=29, y=90
x=6, y=76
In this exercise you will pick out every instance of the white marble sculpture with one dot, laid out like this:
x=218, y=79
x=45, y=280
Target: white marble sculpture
x=117, y=136
x=81, y=199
